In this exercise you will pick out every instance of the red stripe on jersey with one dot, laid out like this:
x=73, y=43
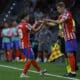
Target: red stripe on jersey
x=67, y=26
x=24, y=34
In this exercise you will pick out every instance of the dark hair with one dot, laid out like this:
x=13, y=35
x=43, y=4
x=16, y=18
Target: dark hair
x=21, y=16
x=60, y=4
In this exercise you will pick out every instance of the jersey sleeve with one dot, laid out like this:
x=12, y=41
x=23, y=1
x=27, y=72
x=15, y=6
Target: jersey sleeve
x=29, y=27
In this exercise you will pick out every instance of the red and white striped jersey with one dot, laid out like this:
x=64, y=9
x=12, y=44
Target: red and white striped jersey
x=24, y=33
x=67, y=26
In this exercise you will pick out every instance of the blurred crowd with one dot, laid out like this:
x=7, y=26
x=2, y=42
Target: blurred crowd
x=41, y=41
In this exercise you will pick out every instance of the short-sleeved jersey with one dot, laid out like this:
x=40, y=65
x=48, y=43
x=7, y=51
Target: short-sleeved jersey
x=67, y=26
x=24, y=34
x=5, y=34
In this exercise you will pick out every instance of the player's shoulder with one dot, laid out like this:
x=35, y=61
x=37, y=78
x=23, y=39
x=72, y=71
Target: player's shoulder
x=5, y=30
x=22, y=24
x=70, y=13
x=67, y=13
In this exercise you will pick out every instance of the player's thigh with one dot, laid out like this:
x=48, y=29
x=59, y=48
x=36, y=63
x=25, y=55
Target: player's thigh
x=28, y=52
x=71, y=46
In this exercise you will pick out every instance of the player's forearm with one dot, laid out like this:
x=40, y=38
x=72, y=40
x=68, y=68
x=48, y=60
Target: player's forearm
x=55, y=21
x=34, y=28
x=51, y=24
x=38, y=28
x=59, y=21
x=50, y=21
x=34, y=25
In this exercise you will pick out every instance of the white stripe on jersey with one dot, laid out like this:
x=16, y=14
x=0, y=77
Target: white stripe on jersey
x=29, y=27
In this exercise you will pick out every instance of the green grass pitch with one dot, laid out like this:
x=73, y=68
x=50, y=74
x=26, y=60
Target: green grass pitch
x=12, y=71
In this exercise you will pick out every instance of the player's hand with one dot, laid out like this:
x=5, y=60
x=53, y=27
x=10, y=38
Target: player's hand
x=36, y=22
x=46, y=20
x=40, y=21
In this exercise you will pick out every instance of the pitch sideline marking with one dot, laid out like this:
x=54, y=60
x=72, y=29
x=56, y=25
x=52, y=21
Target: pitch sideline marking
x=47, y=74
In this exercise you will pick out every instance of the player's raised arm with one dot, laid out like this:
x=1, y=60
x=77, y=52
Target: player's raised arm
x=59, y=21
x=37, y=27
x=51, y=24
x=55, y=22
